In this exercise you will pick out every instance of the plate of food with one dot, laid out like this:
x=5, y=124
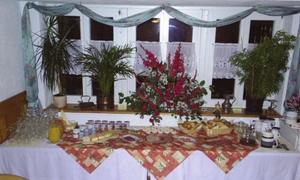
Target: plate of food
x=190, y=127
x=130, y=138
x=217, y=127
x=159, y=138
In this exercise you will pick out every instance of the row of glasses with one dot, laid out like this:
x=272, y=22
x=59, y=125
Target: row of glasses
x=33, y=128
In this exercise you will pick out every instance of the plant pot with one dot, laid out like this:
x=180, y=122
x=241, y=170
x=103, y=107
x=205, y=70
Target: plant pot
x=60, y=101
x=254, y=105
x=103, y=103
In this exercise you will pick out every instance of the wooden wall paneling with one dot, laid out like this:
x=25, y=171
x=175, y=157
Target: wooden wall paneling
x=11, y=110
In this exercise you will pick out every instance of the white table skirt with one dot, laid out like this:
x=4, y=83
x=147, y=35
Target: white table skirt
x=49, y=162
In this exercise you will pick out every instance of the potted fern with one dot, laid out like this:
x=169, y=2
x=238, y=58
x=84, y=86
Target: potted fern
x=54, y=57
x=105, y=66
x=261, y=70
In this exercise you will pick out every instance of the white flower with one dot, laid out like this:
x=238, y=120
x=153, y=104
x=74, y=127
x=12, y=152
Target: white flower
x=163, y=79
x=153, y=73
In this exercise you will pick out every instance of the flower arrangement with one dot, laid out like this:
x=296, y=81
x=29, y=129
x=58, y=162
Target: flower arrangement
x=167, y=88
x=293, y=103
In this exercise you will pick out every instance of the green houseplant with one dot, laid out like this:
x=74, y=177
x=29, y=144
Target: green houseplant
x=261, y=70
x=54, y=57
x=105, y=66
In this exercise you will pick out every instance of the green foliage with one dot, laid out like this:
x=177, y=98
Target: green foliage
x=261, y=70
x=53, y=53
x=106, y=64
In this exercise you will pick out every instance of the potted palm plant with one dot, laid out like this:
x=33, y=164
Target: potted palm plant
x=261, y=70
x=105, y=66
x=54, y=57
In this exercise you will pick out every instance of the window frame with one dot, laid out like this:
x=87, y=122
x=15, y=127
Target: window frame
x=244, y=34
x=202, y=37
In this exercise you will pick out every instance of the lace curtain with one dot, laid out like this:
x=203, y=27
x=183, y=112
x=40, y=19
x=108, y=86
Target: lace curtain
x=154, y=47
x=188, y=54
x=222, y=67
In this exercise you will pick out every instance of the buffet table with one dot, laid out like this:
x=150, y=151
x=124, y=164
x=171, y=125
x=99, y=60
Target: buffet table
x=49, y=162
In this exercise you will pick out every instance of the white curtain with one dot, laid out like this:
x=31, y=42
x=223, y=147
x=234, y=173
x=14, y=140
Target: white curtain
x=188, y=54
x=154, y=47
x=222, y=67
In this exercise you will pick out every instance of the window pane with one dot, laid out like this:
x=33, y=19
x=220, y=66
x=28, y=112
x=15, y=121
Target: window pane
x=65, y=22
x=148, y=31
x=222, y=87
x=259, y=30
x=179, y=31
x=72, y=84
x=228, y=34
x=100, y=31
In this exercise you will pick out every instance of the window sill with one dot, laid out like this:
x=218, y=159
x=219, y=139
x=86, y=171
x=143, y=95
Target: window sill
x=207, y=111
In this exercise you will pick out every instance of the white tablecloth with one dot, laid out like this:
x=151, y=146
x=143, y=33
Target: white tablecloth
x=49, y=162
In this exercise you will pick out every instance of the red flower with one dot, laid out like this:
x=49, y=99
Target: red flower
x=176, y=92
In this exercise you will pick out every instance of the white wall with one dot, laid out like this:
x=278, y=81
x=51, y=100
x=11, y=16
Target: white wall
x=11, y=65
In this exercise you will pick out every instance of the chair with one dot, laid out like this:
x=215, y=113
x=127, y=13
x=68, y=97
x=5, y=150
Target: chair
x=10, y=177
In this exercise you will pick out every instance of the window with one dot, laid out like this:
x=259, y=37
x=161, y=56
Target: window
x=65, y=22
x=148, y=31
x=101, y=34
x=259, y=30
x=147, y=35
x=100, y=31
x=228, y=34
x=222, y=87
x=226, y=44
x=71, y=83
x=179, y=31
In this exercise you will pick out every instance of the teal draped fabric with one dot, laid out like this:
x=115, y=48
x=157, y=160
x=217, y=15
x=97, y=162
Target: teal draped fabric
x=294, y=74
x=200, y=23
x=134, y=20
x=31, y=85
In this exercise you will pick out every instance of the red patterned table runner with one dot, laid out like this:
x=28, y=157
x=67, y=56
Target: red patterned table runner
x=159, y=158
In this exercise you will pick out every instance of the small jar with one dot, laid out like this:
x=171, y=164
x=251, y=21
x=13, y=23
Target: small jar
x=76, y=135
x=112, y=124
x=127, y=124
x=81, y=134
x=90, y=121
x=90, y=126
x=76, y=131
x=118, y=125
x=86, y=132
x=98, y=122
x=82, y=127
